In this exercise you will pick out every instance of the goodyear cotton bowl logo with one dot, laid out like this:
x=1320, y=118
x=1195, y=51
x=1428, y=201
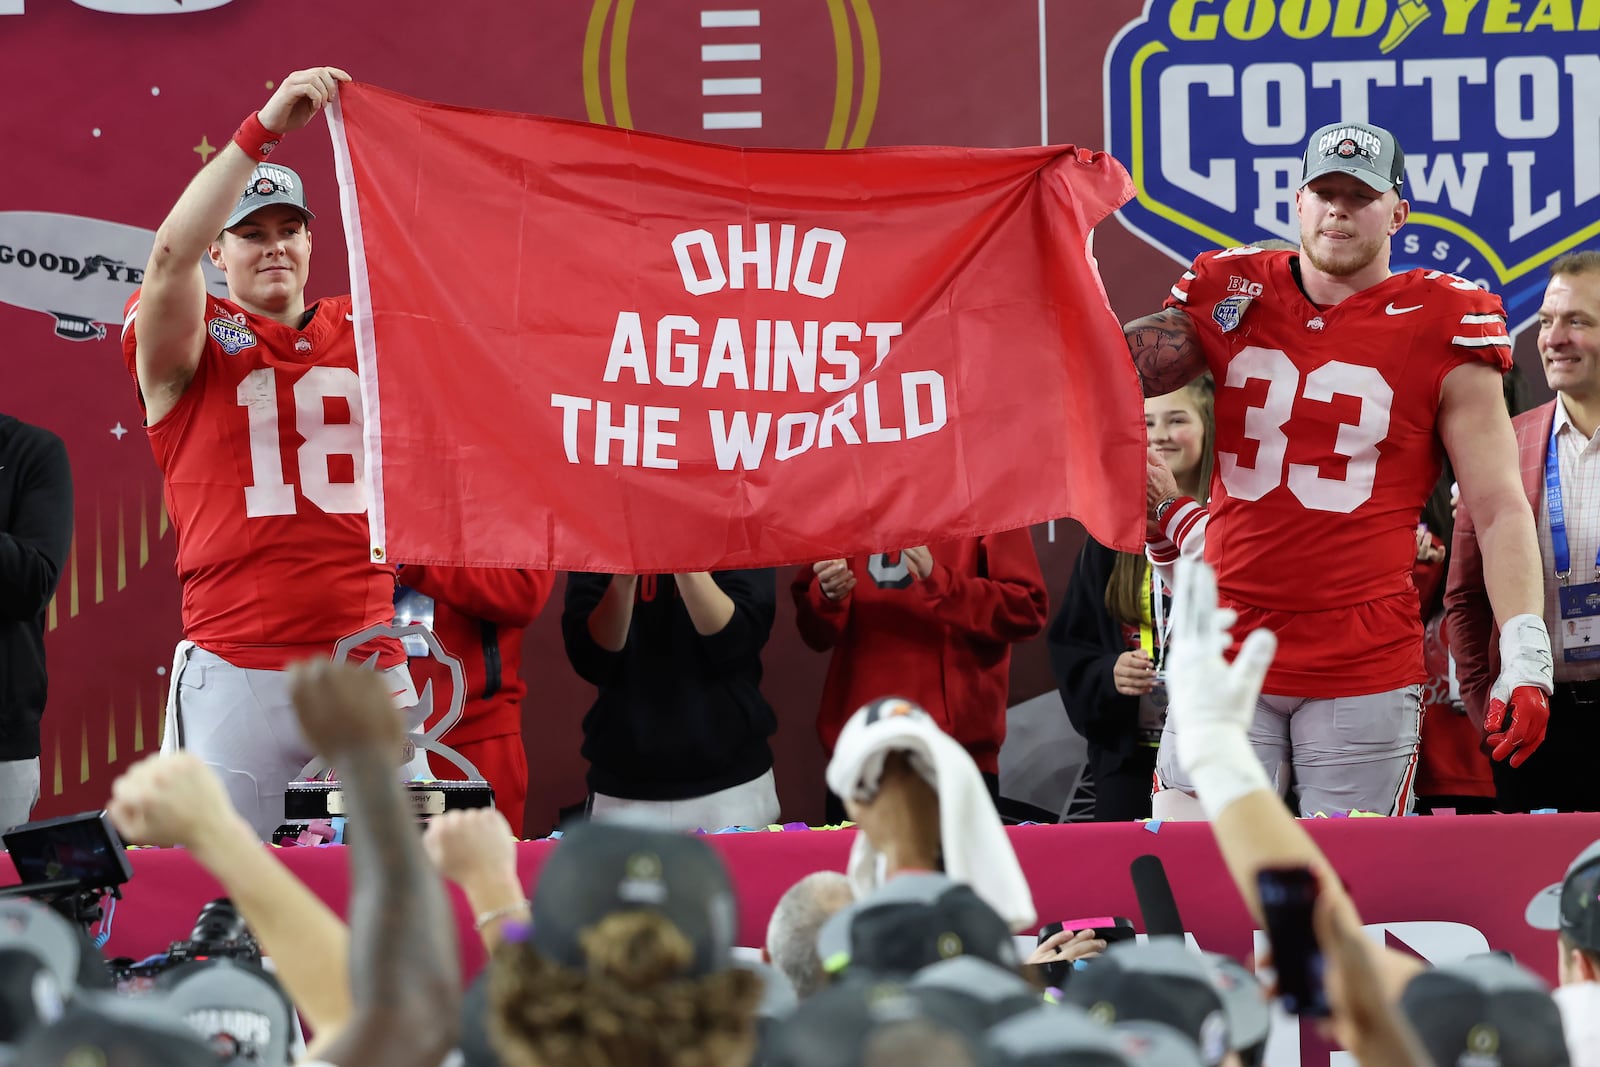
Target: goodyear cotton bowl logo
x=1496, y=104
x=78, y=271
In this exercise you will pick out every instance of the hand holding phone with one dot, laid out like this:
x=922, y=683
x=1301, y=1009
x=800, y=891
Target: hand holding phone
x=1109, y=929
x=1288, y=898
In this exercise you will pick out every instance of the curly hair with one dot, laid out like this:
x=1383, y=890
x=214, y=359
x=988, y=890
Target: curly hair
x=633, y=1003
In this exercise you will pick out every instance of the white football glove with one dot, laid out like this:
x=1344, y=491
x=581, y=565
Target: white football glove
x=1213, y=701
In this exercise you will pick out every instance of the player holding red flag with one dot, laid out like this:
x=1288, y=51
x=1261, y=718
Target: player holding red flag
x=1337, y=384
x=253, y=409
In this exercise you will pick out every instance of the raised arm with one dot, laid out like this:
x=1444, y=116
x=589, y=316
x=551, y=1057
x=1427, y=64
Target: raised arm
x=171, y=308
x=1166, y=351
x=405, y=980
x=178, y=800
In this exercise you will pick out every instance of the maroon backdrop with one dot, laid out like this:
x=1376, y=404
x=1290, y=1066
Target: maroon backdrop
x=115, y=103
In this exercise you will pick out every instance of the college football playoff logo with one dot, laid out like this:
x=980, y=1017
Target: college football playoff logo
x=738, y=67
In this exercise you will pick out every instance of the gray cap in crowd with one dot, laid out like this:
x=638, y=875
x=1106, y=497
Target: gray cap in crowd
x=237, y=1008
x=1161, y=980
x=911, y=921
x=1244, y=1001
x=1064, y=1036
x=1573, y=906
x=1485, y=1012
x=601, y=868
x=993, y=992
x=87, y=1034
x=847, y=1023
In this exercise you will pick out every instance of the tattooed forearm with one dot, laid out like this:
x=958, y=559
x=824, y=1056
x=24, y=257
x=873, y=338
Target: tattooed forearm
x=1166, y=351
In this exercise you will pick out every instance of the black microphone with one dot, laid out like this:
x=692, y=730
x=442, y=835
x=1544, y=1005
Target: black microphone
x=1157, y=907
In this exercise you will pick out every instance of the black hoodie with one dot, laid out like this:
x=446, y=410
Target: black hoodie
x=35, y=536
x=678, y=715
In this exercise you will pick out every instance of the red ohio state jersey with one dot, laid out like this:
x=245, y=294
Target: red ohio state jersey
x=1326, y=449
x=264, y=474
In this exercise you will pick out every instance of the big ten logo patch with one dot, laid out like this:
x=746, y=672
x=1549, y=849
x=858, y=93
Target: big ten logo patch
x=799, y=74
x=1244, y=286
x=1496, y=106
x=79, y=271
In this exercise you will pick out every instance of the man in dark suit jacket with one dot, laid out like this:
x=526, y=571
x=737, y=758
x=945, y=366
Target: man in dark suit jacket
x=1556, y=775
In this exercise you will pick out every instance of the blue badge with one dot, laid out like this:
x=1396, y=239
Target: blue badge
x=1209, y=104
x=1579, y=637
x=1229, y=310
x=231, y=336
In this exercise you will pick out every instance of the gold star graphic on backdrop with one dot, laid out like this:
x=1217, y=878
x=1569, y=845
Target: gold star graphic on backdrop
x=204, y=149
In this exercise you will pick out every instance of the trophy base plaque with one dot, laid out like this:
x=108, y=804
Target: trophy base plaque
x=305, y=801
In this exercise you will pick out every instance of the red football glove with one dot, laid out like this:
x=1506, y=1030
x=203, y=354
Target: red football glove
x=1530, y=715
x=1522, y=692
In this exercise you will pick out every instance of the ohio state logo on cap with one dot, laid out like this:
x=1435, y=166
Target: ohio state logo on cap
x=1347, y=148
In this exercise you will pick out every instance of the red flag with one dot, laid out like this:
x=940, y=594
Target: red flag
x=588, y=348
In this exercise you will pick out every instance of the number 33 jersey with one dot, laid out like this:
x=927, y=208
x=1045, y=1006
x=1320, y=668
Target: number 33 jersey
x=264, y=476
x=1326, y=450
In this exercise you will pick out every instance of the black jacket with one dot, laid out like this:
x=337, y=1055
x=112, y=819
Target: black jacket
x=35, y=536
x=678, y=715
x=1084, y=643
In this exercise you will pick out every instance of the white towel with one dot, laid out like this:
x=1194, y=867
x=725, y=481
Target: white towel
x=974, y=842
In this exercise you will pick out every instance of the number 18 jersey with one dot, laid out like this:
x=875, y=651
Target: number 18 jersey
x=1326, y=449
x=264, y=478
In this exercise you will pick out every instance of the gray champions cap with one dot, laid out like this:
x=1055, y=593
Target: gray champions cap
x=1368, y=152
x=270, y=184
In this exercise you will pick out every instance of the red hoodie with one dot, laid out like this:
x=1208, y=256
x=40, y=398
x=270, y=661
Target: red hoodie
x=479, y=615
x=944, y=642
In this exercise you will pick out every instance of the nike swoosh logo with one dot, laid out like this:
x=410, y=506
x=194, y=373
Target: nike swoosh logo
x=349, y=318
x=1390, y=309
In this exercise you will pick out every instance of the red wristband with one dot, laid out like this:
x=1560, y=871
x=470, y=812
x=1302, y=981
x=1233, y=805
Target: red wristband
x=255, y=139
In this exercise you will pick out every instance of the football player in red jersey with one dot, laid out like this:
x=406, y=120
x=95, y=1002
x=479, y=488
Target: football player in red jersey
x=253, y=409
x=1337, y=384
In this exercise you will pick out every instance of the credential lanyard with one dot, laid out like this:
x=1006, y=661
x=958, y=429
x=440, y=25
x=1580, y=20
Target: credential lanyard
x=1557, y=513
x=1154, y=626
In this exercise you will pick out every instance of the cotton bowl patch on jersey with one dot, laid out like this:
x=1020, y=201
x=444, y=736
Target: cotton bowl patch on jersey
x=233, y=337
x=1228, y=311
x=1210, y=103
x=77, y=270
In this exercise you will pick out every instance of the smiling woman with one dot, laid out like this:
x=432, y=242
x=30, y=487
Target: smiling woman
x=1106, y=643
x=1179, y=428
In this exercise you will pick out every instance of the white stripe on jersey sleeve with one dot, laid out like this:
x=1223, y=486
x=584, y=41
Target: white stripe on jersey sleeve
x=1180, y=292
x=1481, y=342
x=1480, y=320
x=127, y=323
